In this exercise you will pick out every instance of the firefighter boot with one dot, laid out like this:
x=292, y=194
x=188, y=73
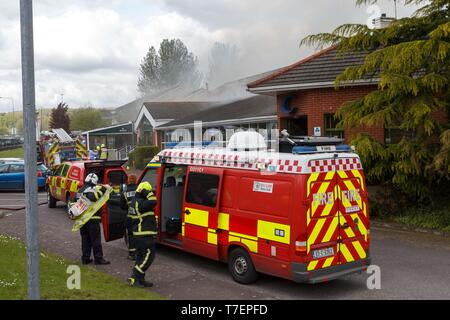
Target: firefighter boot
x=134, y=282
x=101, y=262
x=144, y=283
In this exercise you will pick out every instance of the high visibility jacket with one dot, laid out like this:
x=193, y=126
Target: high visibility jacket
x=143, y=215
x=128, y=195
x=93, y=193
x=104, y=154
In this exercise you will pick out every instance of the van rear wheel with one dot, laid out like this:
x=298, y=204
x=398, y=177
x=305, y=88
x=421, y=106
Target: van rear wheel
x=241, y=267
x=51, y=202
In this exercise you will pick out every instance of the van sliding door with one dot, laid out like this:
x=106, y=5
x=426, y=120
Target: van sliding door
x=201, y=211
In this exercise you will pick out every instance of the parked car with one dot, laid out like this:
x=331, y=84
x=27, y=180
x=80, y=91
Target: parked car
x=12, y=175
x=4, y=160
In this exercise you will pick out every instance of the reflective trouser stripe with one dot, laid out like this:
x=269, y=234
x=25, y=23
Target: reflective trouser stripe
x=145, y=233
x=139, y=267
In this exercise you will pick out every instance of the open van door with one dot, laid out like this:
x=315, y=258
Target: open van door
x=200, y=214
x=113, y=217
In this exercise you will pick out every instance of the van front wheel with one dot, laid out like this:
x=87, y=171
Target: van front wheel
x=241, y=267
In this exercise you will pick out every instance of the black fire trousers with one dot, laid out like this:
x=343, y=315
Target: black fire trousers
x=91, y=241
x=145, y=254
x=131, y=246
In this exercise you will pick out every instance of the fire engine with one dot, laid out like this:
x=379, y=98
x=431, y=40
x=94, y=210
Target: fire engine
x=301, y=214
x=58, y=146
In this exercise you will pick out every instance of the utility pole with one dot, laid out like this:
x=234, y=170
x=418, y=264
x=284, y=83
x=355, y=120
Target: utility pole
x=29, y=126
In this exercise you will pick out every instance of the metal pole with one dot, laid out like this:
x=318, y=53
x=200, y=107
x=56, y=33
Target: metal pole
x=29, y=125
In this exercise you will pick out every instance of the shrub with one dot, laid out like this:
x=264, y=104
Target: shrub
x=142, y=155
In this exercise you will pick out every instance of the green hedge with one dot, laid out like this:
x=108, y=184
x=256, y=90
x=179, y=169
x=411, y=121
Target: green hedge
x=142, y=155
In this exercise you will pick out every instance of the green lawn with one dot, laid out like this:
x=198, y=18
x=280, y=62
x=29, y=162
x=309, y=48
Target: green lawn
x=14, y=153
x=95, y=285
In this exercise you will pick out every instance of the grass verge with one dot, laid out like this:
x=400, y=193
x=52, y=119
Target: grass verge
x=13, y=153
x=437, y=219
x=95, y=285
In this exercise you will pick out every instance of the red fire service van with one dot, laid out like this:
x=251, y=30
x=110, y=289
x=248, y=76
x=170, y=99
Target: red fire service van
x=301, y=214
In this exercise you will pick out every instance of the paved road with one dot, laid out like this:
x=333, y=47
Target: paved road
x=413, y=266
x=16, y=200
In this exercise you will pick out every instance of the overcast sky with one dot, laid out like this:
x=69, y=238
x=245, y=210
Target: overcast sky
x=90, y=50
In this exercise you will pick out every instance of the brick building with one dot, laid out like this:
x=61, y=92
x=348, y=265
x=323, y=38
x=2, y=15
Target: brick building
x=307, y=98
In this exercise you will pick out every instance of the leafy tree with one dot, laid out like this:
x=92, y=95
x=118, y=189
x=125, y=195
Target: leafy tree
x=411, y=59
x=85, y=119
x=172, y=66
x=59, y=117
x=223, y=64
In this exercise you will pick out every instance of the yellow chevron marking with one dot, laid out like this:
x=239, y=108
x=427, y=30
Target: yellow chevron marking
x=359, y=249
x=330, y=175
x=312, y=265
x=313, y=236
x=328, y=262
x=345, y=252
x=360, y=179
x=322, y=189
x=331, y=229
x=349, y=232
x=312, y=178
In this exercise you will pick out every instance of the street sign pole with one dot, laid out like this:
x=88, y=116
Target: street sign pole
x=29, y=125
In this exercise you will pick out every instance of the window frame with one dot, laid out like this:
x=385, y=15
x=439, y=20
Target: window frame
x=205, y=189
x=330, y=131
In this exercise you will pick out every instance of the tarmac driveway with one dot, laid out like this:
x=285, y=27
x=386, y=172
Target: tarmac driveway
x=413, y=266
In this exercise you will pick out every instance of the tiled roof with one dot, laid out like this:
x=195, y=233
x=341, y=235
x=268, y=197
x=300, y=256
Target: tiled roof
x=318, y=69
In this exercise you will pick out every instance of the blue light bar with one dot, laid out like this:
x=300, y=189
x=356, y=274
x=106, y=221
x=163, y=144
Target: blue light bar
x=186, y=144
x=321, y=149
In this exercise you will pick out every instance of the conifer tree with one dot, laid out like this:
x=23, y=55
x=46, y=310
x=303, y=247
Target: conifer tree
x=411, y=61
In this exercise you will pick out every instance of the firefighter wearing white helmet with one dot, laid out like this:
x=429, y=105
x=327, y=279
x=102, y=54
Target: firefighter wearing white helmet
x=144, y=227
x=91, y=240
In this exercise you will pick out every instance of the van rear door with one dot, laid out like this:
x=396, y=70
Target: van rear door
x=114, y=216
x=352, y=216
x=322, y=221
x=337, y=218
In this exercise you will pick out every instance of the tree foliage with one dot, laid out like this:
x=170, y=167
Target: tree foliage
x=59, y=117
x=173, y=65
x=85, y=119
x=411, y=61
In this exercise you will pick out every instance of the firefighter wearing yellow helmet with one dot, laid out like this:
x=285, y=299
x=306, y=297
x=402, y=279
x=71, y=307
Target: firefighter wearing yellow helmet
x=103, y=152
x=144, y=227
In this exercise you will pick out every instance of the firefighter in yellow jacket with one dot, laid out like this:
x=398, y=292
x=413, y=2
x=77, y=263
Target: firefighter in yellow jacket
x=144, y=227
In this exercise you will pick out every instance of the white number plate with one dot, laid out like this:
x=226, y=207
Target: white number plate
x=323, y=253
x=326, y=148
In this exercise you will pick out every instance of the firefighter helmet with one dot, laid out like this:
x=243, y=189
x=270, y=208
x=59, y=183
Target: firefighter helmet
x=144, y=186
x=91, y=178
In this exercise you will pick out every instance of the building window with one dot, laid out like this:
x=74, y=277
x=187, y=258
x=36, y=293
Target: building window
x=331, y=129
x=395, y=135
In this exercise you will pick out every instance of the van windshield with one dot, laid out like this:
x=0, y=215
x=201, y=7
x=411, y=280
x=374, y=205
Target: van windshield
x=151, y=176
